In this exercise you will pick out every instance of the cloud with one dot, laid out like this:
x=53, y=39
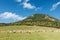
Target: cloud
x=10, y=15
x=28, y=5
x=54, y=6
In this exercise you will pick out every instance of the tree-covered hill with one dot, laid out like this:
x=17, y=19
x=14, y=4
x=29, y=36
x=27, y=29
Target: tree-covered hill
x=40, y=20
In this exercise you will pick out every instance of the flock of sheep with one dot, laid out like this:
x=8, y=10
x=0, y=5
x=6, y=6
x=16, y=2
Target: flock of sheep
x=30, y=31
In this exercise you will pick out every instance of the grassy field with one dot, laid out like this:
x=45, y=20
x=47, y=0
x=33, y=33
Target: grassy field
x=5, y=28
x=27, y=35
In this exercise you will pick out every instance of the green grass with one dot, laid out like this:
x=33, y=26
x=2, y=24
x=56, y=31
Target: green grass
x=28, y=36
x=5, y=28
x=32, y=36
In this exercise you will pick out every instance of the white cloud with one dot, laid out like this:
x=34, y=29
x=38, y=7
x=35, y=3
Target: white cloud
x=10, y=15
x=28, y=5
x=54, y=6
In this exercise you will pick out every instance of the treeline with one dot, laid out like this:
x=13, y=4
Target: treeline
x=42, y=23
x=38, y=23
x=34, y=23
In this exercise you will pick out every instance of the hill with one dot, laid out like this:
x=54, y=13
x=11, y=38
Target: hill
x=39, y=20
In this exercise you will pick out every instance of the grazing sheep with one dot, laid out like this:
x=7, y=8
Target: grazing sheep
x=29, y=31
x=14, y=31
x=10, y=31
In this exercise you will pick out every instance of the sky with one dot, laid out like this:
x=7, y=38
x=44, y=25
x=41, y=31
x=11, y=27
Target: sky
x=17, y=10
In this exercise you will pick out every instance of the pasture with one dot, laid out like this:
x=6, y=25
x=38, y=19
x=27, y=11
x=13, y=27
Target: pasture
x=28, y=33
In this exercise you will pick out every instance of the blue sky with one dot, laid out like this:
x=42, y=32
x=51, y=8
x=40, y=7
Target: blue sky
x=15, y=10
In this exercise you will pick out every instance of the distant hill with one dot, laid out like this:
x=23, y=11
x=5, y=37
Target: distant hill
x=39, y=20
